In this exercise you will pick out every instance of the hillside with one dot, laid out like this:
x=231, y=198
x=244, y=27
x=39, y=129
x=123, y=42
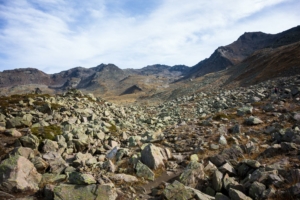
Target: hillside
x=244, y=46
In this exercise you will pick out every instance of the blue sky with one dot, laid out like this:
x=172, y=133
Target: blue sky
x=56, y=35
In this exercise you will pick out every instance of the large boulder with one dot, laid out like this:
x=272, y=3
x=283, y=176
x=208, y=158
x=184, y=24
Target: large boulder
x=95, y=192
x=152, y=157
x=18, y=175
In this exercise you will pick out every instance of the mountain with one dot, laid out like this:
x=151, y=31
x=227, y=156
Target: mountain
x=161, y=70
x=234, y=53
x=267, y=64
x=9, y=78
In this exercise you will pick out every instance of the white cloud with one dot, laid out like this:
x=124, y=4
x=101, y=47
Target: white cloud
x=56, y=35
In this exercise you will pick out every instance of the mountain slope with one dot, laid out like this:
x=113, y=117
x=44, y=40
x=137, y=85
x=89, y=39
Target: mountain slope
x=247, y=44
x=266, y=64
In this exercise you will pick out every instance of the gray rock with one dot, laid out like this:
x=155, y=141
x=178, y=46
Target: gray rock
x=124, y=177
x=253, y=121
x=227, y=168
x=252, y=163
x=152, y=157
x=220, y=196
x=30, y=141
x=256, y=190
x=49, y=145
x=18, y=175
x=244, y=110
x=217, y=180
x=56, y=162
x=222, y=140
x=238, y=195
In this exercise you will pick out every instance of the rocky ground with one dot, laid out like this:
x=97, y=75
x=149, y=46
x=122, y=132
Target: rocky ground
x=242, y=143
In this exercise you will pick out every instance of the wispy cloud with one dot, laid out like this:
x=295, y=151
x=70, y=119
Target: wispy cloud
x=55, y=35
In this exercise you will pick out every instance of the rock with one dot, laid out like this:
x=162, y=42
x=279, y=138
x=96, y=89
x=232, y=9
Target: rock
x=222, y=140
x=13, y=133
x=112, y=153
x=30, y=141
x=109, y=166
x=256, y=190
x=214, y=147
x=40, y=164
x=18, y=175
x=217, y=180
x=236, y=129
x=244, y=110
x=228, y=182
x=194, y=157
x=81, y=179
x=15, y=122
x=152, y=157
x=95, y=192
x=220, y=196
x=144, y=171
x=227, y=168
x=124, y=177
x=49, y=145
x=23, y=151
x=210, y=168
x=253, y=121
x=177, y=191
x=82, y=142
x=192, y=174
x=294, y=190
x=134, y=141
x=237, y=195
x=217, y=160
x=252, y=163
x=56, y=162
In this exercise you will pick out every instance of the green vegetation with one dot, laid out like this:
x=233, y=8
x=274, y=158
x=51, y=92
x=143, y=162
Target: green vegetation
x=47, y=132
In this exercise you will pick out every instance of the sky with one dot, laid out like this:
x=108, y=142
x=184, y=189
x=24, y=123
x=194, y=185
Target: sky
x=56, y=35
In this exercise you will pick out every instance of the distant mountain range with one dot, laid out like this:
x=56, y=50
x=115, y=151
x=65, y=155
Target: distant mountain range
x=253, y=57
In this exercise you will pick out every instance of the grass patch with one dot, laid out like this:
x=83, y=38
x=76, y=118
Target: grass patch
x=47, y=132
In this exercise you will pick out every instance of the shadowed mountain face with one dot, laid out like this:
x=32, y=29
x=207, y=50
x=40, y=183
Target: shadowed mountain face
x=9, y=78
x=247, y=44
x=266, y=64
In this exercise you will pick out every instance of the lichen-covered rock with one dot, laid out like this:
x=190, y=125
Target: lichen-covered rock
x=18, y=175
x=30, y=141
x=177, y=191
x=81, y=179
x=144, y=171
x=95, y=192
x=192, y=174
